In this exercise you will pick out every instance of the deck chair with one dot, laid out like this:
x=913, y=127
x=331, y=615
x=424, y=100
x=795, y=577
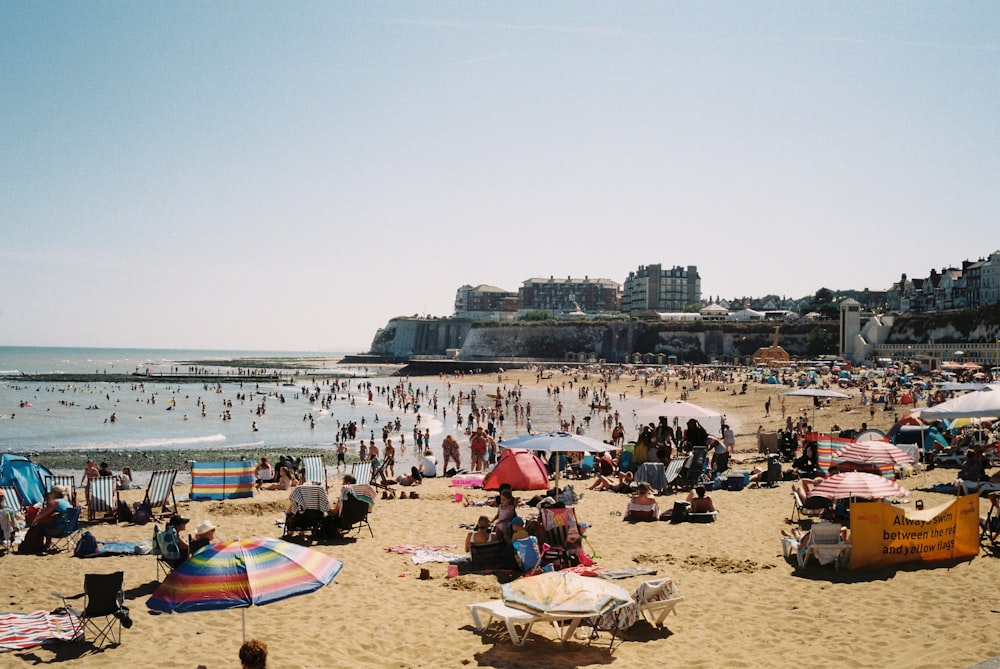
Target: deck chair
x=656, y=599
x=354, y=510
x=167, y=550
x=488, y=556
x=672, y=472
x=102, y=499
x=560, y=527
x=12, y=499
x=314, y=467
x=810, y=507
x=68, y=481
x=825, y=545
x=104, y=612
x=310, y=503
x=160, y=497
x=584, y=469
x=362, y=472
x=691, y=478
x=72, y=533
x=381, y=482
x=625, y=461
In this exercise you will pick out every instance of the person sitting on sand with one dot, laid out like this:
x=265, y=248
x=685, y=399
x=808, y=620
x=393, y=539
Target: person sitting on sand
x=428, y=465
x=699, y=502
x=264, y=472
x=253, y=655
x=642, y=506
x=286, y=480
x=480, y=535
x=125, y=479
x=517, y=530
x=624, y=483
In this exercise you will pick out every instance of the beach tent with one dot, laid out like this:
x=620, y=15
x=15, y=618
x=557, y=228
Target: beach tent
x=523, y=470
x=24, y=475
x=983, y=403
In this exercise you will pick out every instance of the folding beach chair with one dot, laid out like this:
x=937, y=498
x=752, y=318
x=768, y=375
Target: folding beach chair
x=103, y=610
x=362, y=472
x=102, y=499
x=309, y=504
x=381, y=482
x=67, y=481
x=160, y=493
x=314, y=467
x=809, y=507
x=354, y=510
x=72, y=533
x=672, y=472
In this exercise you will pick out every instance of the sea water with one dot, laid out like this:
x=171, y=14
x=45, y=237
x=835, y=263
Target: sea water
x=149, y=414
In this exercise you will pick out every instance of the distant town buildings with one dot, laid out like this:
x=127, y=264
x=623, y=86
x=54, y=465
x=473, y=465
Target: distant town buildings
x=675, y=294
x=652, y=288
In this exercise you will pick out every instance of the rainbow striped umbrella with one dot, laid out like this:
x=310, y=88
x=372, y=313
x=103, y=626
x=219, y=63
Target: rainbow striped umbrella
x=243, y=573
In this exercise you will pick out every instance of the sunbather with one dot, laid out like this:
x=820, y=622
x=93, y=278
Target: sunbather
x=991, y=522
x=699, y=502
x=481, y=535
x=642, y=506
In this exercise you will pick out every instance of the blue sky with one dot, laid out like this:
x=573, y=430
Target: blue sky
x=291, y=175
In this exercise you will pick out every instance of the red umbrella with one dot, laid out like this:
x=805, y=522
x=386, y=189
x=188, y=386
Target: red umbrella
x=873, y=452
x=858, y=484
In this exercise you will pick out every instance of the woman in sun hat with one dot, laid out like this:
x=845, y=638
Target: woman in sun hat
x=204, y=534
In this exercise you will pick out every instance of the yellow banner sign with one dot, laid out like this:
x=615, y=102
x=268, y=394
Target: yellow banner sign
x=883, y=534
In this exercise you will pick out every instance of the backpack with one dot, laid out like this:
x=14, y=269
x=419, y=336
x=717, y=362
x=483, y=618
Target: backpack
x=168, y=544
x=86, y=546
x=142, y=514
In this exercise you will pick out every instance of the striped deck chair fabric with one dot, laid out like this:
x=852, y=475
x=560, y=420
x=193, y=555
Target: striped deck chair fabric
x=673, y=471
x=26, y=630
x=160, y=492
x=560, y=526
x=308, y=496
x=222, y=480
x=102, y=498
x=315, y=470
x=11, y=498
x=63, y=480
x=362, y=472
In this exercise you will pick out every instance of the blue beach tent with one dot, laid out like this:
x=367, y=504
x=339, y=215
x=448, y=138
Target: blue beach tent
x=25, y=475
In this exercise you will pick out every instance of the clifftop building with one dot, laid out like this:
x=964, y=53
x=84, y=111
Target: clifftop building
x=485, y=303
x=653, y=288
x=567, y=296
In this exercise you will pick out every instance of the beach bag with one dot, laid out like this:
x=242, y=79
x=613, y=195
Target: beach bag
x=86, y=546
x=168, y=544
x=33, y=542
x=124, y=512
x=680, y=513
x=142, y=514
x=526, y=553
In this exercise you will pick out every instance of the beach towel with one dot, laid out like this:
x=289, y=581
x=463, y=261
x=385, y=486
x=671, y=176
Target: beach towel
x=26, y=630
x=407, y=549
x=110, y=548
x=425, y=556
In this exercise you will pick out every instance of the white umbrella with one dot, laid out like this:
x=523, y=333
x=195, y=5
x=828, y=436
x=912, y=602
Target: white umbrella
x=816, y=392
x=558, y=442
x=983, y=403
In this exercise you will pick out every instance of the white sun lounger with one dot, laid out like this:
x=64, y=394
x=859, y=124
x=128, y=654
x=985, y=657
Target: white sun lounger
x=496, y=609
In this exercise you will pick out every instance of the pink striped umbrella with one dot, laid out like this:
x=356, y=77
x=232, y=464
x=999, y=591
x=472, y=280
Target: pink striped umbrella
x=872, y=452
x=858, y=484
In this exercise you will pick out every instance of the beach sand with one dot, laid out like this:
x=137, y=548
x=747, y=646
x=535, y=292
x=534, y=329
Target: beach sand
x=745, y=605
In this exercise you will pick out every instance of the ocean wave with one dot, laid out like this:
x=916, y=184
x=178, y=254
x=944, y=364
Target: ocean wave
x=164, y=442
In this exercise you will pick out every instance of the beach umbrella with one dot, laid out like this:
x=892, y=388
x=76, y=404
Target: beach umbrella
x=983, y=403
x=873, y=452
x=558, y=442
x=243, y=573
x=564, y=593
x=858, y=484
x=816, y=392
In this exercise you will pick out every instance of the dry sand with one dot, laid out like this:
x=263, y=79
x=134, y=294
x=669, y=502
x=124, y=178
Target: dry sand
x=745, y=605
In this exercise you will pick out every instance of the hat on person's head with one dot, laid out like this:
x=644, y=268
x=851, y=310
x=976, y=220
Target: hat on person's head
x=176, y=520
x=204, y=527
x=517, y=520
